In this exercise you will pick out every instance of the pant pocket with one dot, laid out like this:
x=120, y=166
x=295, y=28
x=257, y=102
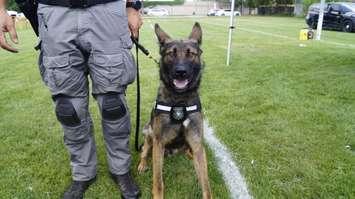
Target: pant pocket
x=112, y=71
x=60, y=76
x=108, y=70
x=130, y=65
x=77, y=134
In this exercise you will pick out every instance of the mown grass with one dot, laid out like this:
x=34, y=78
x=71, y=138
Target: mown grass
x=286, y=112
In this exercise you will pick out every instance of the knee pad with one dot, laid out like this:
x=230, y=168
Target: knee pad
x=66, y=113
x=112, y=107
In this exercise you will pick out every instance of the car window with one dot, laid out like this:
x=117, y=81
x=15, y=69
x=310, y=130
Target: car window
x=315, y=7
x=349, y=7
x=335, y=7
x=345, y=9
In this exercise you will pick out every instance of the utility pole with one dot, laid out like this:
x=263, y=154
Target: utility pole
x=320, y=20
x=231, y=27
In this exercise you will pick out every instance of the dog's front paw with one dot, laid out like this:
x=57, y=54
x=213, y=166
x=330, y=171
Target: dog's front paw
x=188, y=153
x=142, y=167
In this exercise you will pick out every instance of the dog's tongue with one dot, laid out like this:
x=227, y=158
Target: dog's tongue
x=180, y=84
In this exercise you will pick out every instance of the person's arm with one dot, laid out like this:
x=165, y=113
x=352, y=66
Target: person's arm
x=7, y=25
x=134, y=20
x=2, y=4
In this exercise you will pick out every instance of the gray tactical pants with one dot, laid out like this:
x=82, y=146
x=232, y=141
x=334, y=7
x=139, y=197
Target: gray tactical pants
x=76, y=44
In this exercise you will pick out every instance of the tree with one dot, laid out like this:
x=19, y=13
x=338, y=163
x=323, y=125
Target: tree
x=162, y=2
x=251, y=3
x=11, y=5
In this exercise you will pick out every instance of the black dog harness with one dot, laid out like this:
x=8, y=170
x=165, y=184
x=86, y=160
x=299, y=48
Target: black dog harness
x=178, y=112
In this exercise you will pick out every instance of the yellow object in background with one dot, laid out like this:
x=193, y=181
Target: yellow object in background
x=306, y=34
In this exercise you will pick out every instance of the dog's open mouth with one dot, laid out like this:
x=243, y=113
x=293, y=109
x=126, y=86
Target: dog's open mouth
x=180, y=84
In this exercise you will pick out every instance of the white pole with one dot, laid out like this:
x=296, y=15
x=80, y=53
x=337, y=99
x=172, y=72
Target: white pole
x=320, y=19
x=231, y=27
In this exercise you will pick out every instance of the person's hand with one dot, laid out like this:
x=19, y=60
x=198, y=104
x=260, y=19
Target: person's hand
x=134, y=21
x=7, y=25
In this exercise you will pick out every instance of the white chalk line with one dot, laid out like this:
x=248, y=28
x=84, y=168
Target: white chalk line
x=234, y=180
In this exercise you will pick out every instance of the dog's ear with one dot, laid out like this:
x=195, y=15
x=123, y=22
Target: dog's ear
x=196, y=33
x=162, y=36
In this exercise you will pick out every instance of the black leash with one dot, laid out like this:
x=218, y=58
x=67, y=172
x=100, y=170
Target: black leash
x=138, y=114
x=144, y=50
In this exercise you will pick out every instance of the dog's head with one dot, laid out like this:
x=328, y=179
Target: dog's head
x=180, y=63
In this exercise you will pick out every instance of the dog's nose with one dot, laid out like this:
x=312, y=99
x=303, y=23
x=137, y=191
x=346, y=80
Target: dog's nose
x=180, y=71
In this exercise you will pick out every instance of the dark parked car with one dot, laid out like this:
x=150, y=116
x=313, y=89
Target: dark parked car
x=337, y=16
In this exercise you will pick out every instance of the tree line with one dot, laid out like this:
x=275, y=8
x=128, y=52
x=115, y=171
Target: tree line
x=11, y=5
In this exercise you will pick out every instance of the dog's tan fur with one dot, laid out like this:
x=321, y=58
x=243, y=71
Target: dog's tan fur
x=161, y=132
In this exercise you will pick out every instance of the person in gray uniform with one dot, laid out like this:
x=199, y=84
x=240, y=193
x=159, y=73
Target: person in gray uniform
x=82, y=39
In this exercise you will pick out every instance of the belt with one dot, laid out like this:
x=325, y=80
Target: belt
x=74, y=3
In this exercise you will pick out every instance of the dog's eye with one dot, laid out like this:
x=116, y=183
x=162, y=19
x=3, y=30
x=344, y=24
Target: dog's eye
x=190, y=52
x=170, y=54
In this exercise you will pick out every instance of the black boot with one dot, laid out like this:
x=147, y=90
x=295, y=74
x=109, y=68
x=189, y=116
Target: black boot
x=77, y=189
x=127, y=186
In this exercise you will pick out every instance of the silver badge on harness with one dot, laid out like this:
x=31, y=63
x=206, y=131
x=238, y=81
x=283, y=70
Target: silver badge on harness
x=178, y=113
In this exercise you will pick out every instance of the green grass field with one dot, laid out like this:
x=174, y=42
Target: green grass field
x=287, y=114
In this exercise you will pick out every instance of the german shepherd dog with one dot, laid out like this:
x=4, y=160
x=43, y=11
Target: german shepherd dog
x=176, y=123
